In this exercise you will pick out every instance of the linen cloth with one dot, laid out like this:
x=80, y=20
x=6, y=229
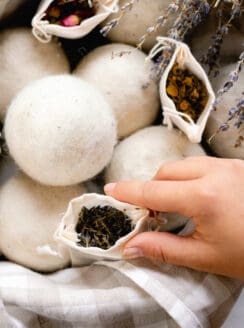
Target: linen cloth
x=114, y=294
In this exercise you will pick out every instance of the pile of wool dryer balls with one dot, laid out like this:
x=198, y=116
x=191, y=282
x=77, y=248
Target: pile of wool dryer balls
x=70, y=131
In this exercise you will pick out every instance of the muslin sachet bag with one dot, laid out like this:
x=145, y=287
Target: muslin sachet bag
x=95, y=227
x=70, y=19
x=186, y=94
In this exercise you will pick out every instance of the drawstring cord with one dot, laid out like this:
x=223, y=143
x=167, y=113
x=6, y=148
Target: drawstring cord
x=39, y=30
x=39, y=26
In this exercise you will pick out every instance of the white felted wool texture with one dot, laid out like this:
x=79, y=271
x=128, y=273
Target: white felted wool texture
x=29, y=215
x=223, y=144
x=7, y=7
x=136, y=21
x=60, y=130
x=139, y=156
x=24, y=59
x=121, y=80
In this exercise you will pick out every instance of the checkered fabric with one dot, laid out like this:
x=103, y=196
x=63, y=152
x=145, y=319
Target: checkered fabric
x=119, y=294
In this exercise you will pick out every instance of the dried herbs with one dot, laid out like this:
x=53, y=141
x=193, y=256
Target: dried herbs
x=187, y=92
x=102, y=226
x=69, y=13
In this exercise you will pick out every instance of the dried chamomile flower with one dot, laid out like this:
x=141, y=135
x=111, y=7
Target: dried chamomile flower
x=187, y=92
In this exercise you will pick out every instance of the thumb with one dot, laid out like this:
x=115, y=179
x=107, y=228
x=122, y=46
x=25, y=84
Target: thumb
x=167, y=248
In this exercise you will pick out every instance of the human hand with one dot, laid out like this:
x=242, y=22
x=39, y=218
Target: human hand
x=209, y=191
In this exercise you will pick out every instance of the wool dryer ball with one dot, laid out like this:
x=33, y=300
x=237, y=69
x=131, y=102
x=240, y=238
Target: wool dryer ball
x=121, y=79
x=29, y=216
x=224, y=144
x=134, y=24
x=140, y=156
x=8, y=7
x=60, y=130
x=24, y=59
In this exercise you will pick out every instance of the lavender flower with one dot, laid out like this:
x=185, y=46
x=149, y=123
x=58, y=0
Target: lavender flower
x=193, y=12
x=213, y=52
x=233, y=78
x=114, y=22
x=236, y=118
x=160, y=21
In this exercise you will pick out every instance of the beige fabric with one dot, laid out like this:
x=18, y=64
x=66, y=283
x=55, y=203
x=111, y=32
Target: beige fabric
x=114, y=294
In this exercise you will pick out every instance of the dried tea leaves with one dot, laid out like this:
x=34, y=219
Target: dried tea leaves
x=69, y=13
x=102, y=226
x=187, y=92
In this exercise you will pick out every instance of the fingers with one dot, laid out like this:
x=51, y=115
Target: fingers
x=188, y=169
x=162, y=196
x=168, y=248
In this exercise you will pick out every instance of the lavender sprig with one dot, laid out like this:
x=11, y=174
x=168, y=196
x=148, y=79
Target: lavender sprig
x=236, y=118
x=232, y=79
x=210, y=59
x=114, y=22
x=162, y=62
x=160, y=21
x=193, y=12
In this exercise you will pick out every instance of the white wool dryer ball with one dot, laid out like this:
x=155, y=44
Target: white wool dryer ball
x=7, y=7
x=24, y=59
x=121, y=79
x=139, y=157
x=223, y=144
x=60, y=130
x=134, y=24
x=29, y=216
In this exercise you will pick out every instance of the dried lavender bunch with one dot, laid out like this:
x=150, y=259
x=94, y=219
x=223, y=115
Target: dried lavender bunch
x=161, y=62
x=160, y=21
x=114, y=22
x=236, y=118
x=233, y=78
x=210, y=59
x=192, y=13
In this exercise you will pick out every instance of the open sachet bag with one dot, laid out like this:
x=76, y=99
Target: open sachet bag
x=95, y=227
x=186, y=94
x=70, y=19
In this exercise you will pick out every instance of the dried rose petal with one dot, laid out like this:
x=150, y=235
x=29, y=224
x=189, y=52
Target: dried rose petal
x=71, y=20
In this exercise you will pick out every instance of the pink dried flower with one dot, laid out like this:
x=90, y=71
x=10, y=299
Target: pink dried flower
x=71, y=20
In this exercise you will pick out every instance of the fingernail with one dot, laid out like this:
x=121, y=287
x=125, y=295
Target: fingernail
x=108, y=188
x=132, y=253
